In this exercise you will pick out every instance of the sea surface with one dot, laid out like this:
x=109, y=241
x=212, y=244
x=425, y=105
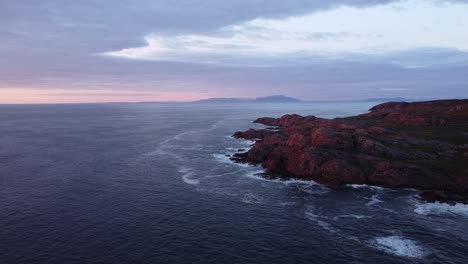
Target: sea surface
x=151, y=183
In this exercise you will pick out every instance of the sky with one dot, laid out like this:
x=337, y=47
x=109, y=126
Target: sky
x=182, y=50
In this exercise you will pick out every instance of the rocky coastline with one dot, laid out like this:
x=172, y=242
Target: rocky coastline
x=420, y=145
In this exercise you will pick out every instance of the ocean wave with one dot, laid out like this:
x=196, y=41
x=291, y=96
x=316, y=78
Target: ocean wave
x=373, y=200
x=360, y=186
x=309, y=187
x=441, y=209
x=223, y=158
x=255, y=172
x=256, y=175
x=243, y=142
x=296, y=182
x=351, y=216
x=316, y=189
x=399, y=246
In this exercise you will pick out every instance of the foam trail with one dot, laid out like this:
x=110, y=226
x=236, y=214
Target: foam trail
x=166, y=143
x=316, y=218
x=252, y=198
x=187, y=180
x=187, y=176
x=223, y=174
x=399, y=246
x=441, y=209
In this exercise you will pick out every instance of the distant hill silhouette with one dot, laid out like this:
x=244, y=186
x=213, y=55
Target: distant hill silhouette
x=277, y=99
x=265, y=99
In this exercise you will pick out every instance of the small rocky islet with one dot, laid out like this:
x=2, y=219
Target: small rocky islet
x=419, y=145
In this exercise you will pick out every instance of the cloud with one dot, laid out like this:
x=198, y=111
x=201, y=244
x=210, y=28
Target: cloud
x=305, y=48
x=356, y=32
x=238, y=41
x=89, y=25
x=100, y=94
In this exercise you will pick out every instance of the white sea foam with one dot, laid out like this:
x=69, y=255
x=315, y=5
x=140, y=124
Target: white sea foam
x=317, y=219
x=187, y=176
x=190, y=181
x=373, y=200
x=224, y=174
x=255, y=175
x=360, y=186
x=287, y=204
x=441, y=209
x=218, y=191
x=222, y=158
x=309, y=187
x=165, y=144
x=252, y=198
x=399, y=246
x=225, y=159
x=295, y=182
x=316, y=189
x=232, y=150
x=244, y=142
x=351, y=216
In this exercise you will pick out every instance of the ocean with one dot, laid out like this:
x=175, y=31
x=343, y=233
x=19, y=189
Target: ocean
x=152, y=183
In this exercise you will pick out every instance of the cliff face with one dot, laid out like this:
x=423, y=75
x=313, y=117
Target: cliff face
x=421, y=145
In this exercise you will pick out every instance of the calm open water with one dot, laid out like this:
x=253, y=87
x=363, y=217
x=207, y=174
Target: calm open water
x=150, y=183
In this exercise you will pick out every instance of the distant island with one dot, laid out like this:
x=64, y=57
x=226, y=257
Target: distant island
x=265, y=99
x=421, y=145
x=288, y=99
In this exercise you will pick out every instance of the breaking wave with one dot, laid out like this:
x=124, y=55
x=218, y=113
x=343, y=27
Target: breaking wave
x=360, y=186
x=374, y=200
x=399, y=246
x=441, y=209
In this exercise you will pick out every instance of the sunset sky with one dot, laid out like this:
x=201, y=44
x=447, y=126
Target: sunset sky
x=55, y=51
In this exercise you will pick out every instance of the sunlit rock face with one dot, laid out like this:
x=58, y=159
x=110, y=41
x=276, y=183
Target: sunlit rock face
x=422, y=145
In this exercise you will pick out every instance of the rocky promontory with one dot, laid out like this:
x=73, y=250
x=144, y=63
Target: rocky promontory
x=420, y=145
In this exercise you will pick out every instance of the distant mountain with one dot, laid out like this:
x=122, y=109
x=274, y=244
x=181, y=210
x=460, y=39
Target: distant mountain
x=265, y=99
x=277, y=99
x=287, y=99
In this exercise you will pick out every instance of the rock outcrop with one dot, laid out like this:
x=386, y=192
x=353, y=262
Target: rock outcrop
x=421, y=145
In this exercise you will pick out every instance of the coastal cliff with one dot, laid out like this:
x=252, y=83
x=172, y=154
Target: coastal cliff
x=420, y=145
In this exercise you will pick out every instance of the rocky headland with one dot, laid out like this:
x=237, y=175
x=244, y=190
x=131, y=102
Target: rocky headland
x=420, y=145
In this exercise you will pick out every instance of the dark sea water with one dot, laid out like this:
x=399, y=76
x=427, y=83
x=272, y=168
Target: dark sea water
x=150, y=183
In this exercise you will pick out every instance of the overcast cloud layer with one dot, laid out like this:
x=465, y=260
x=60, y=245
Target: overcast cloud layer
x=208, y=48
